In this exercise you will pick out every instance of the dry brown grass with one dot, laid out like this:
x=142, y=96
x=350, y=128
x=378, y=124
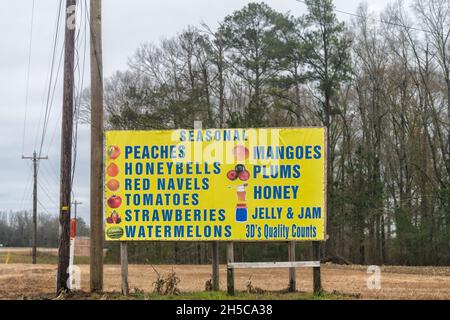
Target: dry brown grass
x=24, y=280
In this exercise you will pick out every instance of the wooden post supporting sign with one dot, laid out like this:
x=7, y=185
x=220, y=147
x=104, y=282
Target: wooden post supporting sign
x=317, y=285
x=230, y=271
x=215, y=266
x=292, y=274
x=124, y=267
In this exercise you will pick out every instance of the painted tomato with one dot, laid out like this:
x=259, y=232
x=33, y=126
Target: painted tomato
x=113, y=152
x=114, y=202
x=240, y=153
x=244, y=175
x=112, y=170
x=232, y=175
x=113, y=185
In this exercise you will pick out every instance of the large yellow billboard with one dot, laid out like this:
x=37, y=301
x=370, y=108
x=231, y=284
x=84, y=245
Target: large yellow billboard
x=215, y=185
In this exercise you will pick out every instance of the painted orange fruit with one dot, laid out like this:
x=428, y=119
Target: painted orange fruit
x=113, y=152
x=113, y=185
x=112, y=170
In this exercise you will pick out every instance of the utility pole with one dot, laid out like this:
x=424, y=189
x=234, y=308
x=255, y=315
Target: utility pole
x=75, y=204
x=66, y=149
x=35, y=160
x=96, y=261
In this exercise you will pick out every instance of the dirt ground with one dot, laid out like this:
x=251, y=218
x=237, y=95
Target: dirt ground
x=24, y=280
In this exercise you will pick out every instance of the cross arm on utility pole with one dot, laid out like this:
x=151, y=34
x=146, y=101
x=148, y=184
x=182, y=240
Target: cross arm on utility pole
x=34, y=158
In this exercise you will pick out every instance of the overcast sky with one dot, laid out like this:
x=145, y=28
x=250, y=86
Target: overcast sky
x=126, y=25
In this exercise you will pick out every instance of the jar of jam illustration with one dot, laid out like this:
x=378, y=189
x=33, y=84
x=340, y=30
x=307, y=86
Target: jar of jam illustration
x=241, y=213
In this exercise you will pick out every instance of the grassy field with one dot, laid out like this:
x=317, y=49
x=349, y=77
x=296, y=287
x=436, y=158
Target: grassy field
x=41, y=258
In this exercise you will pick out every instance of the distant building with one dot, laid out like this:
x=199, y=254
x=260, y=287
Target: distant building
x=82, y=246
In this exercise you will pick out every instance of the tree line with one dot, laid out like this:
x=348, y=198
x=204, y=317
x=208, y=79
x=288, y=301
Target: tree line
x=379, y=83
x=16, y=229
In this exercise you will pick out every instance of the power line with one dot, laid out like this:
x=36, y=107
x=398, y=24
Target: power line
x=28, y=76
x=52, y=175
x=43, y=207
x=49, y=182
x=49, y=80
x=50, y=96
x=379, y=20
x=55, y=171
x=81, y=73
x=55, y=130
x=47, y=193
x=81, y=46
x=50, y=104
x=27, y=185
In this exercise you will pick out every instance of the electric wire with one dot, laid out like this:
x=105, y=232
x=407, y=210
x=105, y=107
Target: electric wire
x=50, y=73
x=78, y=98
x=30, y=46
x=27, y=186
x=50, y=96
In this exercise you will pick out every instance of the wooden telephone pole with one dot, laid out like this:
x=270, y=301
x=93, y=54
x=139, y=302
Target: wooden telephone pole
x=75, y=204
x=35, y=160
x=96, y=266
x=66, y=149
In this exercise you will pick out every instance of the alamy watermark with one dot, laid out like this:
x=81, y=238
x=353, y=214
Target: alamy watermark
x=74, y=281
x=374, y=280
x=71, y=14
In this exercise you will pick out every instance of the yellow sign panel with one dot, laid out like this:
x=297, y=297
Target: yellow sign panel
x=216, y=185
